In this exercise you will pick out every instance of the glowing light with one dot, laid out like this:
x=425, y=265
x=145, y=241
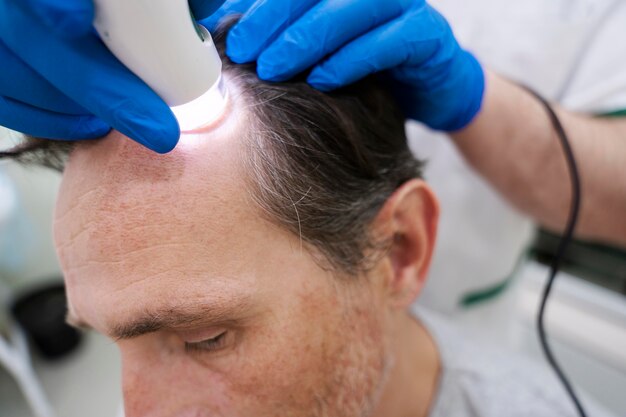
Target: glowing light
x=204, y=110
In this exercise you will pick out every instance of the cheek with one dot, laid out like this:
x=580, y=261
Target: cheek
x=320, y=355
x=327, y=358
x=160, y=380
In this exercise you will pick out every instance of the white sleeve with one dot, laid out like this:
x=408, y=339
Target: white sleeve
x=598, y=81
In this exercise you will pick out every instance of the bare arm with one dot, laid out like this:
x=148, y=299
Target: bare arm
x=513, y=145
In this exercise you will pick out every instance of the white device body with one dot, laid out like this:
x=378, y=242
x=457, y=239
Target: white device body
x=159, y=41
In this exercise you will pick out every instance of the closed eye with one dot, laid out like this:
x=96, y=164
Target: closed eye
x=208, y=345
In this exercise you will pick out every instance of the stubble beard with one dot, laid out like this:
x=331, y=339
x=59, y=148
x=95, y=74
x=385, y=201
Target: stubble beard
x=360, y=373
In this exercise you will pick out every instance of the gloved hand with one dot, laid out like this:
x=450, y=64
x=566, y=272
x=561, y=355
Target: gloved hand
x=58, y=81
x=435, y=81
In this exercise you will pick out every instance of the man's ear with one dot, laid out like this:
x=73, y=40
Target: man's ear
x=408, y=220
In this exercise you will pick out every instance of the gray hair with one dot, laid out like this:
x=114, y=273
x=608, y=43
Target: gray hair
x=320, y=165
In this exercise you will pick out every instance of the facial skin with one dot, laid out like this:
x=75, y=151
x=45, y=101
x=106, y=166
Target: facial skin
x=163, y=250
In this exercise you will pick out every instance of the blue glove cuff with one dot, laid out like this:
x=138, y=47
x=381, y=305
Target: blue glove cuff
x=453, y=103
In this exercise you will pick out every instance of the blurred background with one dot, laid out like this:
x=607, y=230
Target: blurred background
x=71, y=375
x=81, y=379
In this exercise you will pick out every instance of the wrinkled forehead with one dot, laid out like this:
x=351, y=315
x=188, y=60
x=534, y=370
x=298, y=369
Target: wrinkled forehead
x=116, y=186
x=125, y=213
x=115, y=183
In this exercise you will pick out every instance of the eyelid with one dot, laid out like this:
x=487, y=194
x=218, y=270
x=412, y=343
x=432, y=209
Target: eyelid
x=208, y=345
x=197, y=336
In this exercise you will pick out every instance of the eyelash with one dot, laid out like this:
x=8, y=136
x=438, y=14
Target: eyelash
x=209, y=345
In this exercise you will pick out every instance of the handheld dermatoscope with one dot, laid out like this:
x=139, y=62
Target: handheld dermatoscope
x=161, y=43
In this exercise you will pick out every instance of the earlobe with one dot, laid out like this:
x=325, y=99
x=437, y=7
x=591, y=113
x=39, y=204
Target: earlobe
x=409, y=218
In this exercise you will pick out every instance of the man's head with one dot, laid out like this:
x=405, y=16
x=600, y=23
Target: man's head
x=265, y=266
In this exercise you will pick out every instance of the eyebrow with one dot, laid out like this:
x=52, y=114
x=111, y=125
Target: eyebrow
x=174, y=318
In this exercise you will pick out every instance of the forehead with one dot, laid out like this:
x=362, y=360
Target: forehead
x=133, y=228
x=124, y=197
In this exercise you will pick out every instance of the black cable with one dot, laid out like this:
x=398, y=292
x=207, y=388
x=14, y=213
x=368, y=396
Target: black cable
x=563, y=244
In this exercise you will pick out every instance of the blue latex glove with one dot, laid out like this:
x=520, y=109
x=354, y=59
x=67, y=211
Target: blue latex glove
x=59, y=81
x=435, y=81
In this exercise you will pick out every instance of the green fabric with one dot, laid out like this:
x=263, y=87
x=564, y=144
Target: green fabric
x=482, y=295
x=487, y=294
x=600, y=264
x=619, y=113
x=479, y=297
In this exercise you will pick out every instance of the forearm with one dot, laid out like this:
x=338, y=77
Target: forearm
x=514, y=146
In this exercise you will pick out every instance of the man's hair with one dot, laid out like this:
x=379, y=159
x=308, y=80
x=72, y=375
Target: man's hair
x=319, y=164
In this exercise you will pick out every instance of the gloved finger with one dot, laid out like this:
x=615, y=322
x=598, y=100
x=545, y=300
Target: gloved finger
x=45, y=124
x=204, y=8
x=66, y=18
x=229, y=7
x=22, y=83
x=261, y=24
x=389, y=46
x=321, y=31
x=85, y=71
